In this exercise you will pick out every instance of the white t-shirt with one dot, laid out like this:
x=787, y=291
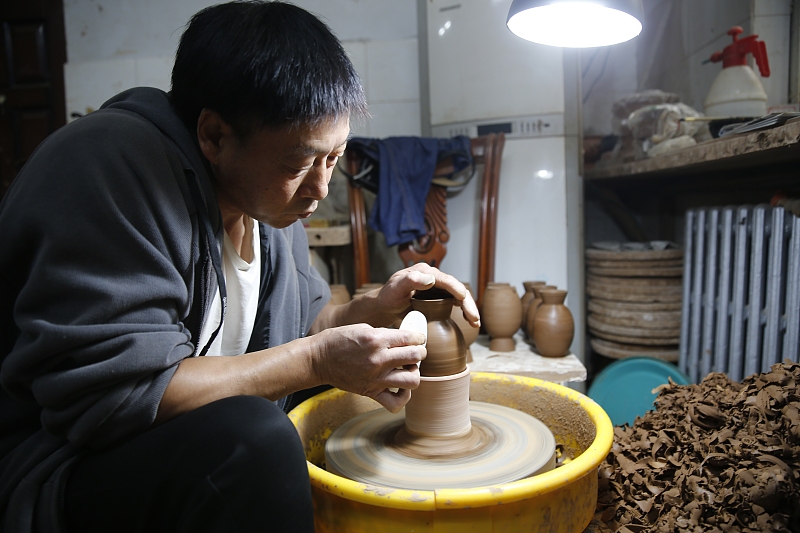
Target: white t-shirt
x=242, y=281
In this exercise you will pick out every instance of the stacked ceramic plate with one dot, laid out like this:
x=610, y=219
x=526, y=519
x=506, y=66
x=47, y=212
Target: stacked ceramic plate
x=634, y=302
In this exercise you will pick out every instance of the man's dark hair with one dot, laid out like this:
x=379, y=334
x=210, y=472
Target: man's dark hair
x=263, y=64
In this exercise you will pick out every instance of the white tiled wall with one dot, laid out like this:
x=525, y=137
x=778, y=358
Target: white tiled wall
x=390, y=73
x=113, y=46
x=772, y=23
x=90, y=83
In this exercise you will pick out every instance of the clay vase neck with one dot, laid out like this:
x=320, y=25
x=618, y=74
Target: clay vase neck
x=447, y=351
x=501, y=316
x=554, y=326
x=533, y=306
x=470, y=334
x=526, y=299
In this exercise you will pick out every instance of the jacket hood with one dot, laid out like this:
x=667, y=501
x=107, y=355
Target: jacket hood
x=154, y=105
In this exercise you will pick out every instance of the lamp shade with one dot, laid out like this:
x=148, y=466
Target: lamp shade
x=576, y=23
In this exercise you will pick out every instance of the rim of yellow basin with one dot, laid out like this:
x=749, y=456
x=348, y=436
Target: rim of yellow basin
x=430, y=500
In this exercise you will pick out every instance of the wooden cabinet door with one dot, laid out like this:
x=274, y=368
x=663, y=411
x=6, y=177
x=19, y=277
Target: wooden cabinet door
x=32, y=57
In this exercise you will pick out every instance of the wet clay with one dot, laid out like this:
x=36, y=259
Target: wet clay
x=447, y=350
x=504, y=445
x=442, y=440
x=439, y=407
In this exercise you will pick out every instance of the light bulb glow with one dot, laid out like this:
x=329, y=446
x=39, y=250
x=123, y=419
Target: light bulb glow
x=575, y=25
x=545, y=174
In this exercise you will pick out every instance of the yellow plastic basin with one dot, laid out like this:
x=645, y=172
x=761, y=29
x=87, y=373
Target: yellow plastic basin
x=562, y=500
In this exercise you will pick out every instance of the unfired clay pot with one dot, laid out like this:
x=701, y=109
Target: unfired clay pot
x=554, y=327
x=526, y=300
x=501, y=316
x=469, y=333
x=447, y=351
x=533, y=306
x=339, y=294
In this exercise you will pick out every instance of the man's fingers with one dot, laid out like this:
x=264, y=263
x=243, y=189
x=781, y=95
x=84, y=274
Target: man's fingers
x=404, y=337
x=393, y=401
x=406, y=377
x=422, y=280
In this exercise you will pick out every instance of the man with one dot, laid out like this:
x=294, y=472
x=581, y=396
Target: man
x=148, y=236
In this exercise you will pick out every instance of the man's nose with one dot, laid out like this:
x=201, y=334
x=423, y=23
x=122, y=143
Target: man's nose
x=317, y=182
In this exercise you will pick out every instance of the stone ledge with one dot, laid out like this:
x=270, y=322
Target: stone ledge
x=524, y=361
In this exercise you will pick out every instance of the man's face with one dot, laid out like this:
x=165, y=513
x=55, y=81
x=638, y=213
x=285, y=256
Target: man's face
x=278, y=176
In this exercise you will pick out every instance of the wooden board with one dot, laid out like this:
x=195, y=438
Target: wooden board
x=626, y=296
x=616, y=350
x=632, y=332
x=635, y=294
x=624, y=339
x=638, y=272
x=644, y=255
x=635, y=282
x=639, y=320
x=638, y=288
x=610, y=305
x=647, y=316
x=664, y=263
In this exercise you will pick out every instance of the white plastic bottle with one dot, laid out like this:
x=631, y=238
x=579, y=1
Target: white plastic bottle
x=737, y=90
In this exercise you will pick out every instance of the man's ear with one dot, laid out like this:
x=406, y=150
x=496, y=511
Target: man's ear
x=212, y=133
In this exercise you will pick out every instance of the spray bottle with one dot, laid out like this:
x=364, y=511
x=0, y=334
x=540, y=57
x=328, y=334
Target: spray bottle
x=737, y=91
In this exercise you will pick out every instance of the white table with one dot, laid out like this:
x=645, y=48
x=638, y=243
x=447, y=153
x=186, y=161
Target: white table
x=524, y=361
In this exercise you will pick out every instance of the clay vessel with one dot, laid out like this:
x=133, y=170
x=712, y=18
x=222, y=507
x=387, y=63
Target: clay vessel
x=501, y=316
x=447, y=351
x=439, y=407
x=339, y=294
x=490, y=284
x=533, y=306
x=554, y=327
x=469, y=333
x=526, y=300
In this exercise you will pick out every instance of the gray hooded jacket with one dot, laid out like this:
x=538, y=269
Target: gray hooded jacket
x=105, y=277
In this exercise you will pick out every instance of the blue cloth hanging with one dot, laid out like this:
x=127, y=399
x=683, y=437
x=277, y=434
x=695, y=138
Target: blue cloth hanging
x=405, y=167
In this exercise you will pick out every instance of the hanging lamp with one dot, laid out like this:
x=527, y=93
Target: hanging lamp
x=576, y=24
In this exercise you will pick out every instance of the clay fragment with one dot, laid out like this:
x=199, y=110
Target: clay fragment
x=716, y=456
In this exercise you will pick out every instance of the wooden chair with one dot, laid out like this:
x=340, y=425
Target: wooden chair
x=487, y=150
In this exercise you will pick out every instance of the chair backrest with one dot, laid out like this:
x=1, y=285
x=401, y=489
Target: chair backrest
x=487, y=151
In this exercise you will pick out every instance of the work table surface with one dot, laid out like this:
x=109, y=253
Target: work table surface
x=525, y=361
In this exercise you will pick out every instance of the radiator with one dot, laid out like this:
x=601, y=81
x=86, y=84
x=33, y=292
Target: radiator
x=741, y=291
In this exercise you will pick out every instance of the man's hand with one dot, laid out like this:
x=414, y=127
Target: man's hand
x=394, y=297
x=385, y=306
x=370, y=361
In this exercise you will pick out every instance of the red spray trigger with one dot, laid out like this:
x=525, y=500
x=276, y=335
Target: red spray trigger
x=735, y=54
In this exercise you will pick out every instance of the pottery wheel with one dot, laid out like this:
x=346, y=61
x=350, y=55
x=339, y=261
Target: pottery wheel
x=505, y=445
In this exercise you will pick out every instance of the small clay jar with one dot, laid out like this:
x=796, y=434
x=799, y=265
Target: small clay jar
x=470, y=334
x=501, y=316
x=339, y=294
x=533, y=306
x=490, y=284
x=554, y=327
x=526, y=300
x=447, y=350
